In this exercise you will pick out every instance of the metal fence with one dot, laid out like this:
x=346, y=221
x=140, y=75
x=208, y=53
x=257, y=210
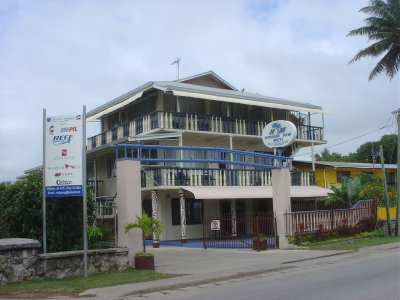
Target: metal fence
x=241, y=231
x=311, y=221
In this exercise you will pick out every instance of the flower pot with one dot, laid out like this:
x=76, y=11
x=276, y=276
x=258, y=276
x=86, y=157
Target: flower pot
x=259, y=245
x=144, y=262
x=156, y=244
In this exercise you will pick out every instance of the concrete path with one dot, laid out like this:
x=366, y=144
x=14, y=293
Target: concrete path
x=211, y=265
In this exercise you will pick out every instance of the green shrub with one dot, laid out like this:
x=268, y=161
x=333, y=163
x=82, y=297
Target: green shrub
x=99, y=234
x=21, y=214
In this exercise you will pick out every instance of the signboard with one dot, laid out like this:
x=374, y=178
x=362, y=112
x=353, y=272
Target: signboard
x=279, y=134
x=215, y=225
x=63, y=160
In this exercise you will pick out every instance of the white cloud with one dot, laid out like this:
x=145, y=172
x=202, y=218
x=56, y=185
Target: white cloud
x=60, y=55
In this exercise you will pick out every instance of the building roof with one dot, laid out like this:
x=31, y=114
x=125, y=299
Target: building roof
x=348, y=165
x=184, y=89
x=211, y=75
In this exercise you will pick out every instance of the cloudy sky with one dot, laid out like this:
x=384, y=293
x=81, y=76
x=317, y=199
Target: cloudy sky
x=60, y=55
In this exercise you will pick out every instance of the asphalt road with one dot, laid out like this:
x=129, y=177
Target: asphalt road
x=374, y=276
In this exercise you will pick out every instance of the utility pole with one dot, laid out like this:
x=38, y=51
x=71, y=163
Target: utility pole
x=385, y=192
x=397, y=231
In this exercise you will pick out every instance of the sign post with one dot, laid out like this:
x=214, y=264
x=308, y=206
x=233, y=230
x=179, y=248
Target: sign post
x=64, y=164
x=44, y=185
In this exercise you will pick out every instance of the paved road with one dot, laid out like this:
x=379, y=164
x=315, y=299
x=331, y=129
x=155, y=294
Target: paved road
x=373, y=276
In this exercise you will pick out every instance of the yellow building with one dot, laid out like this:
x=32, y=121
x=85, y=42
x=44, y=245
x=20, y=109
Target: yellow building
x=329, y=173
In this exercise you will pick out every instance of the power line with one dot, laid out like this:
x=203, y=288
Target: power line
x=344, y=141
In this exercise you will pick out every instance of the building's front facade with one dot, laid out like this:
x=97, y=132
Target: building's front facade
x=200, y=111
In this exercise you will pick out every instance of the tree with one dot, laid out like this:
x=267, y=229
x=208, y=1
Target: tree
x=327, y=156
x=21, y=214
x=383, y=27
x=149, y=226
x=366, y=153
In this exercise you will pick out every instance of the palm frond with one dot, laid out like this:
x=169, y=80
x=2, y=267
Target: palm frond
x=383, y=26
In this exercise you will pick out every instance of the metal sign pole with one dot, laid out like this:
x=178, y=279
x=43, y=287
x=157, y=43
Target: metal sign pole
x=85, y=241
x=44, y=184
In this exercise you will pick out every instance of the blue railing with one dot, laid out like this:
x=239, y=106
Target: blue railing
x=186, y=154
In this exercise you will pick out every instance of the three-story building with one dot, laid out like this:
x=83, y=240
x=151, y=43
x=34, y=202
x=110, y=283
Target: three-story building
x=199, y=111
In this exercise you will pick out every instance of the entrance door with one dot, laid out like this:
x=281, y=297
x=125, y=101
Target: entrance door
x=225, y=210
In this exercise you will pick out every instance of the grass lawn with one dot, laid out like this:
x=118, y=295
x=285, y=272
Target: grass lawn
x=355, y=245
x=75, y=284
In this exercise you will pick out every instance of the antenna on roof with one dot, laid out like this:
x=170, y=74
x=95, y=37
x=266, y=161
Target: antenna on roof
x=177, y=62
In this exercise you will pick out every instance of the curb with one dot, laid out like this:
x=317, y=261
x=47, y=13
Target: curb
x=317, y=257
x=195, y=282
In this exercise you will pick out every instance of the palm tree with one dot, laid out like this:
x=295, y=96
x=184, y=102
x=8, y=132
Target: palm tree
x=348, y=192
x=149, y=226
x=383, y=26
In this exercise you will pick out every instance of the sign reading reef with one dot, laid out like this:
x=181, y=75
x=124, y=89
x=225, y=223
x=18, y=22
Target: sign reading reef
x=63, y=161
x=279, y=134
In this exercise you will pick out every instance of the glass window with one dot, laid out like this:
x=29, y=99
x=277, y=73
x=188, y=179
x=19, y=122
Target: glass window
x=340, y=175
x=194, y=211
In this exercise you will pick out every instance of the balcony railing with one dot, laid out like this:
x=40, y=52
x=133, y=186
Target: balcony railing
x=153, y=176
x=163, y=120
x=302, y=178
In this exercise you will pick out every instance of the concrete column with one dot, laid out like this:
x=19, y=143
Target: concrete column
x=281, y=202
x=129, y=204
x=183, y=216
x=154, y=210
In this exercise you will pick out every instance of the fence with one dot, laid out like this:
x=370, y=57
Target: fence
x=311, y=221
x=307, y=204
x=242, y=230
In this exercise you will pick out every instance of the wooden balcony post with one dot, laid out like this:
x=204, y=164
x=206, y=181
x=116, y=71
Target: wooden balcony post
x=233, y=217
x=154, y=212
x=161, y=118
x=183, y=215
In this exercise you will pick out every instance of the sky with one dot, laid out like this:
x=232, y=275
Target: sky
x=59, y=55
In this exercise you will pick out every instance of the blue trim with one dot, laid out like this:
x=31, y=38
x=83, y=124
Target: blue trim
x=202, y=154
x=64, y=191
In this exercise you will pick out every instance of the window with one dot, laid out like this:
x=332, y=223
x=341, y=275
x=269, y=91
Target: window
x=390, y=178
x=194, y=211
x=340, y=175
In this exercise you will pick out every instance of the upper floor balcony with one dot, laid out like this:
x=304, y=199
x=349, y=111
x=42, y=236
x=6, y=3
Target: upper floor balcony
x=162, y=176
x=177, y=121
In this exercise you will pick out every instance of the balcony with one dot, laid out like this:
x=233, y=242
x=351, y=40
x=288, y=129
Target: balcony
x=162, y=120
x=156, y=176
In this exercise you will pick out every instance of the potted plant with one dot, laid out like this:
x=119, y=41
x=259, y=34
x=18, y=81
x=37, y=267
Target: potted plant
x=260, y=242
x=149, y=226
